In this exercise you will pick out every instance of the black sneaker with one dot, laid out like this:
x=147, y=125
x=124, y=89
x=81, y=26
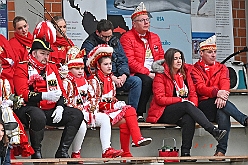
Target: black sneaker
x=218, y=134
x=141, y=119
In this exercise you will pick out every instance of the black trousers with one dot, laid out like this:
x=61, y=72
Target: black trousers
x=185, y=115
x=145, y=93
x=36, y=119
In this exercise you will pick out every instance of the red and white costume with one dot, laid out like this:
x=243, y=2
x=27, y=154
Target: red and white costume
x=78, y=90
x=104, y=89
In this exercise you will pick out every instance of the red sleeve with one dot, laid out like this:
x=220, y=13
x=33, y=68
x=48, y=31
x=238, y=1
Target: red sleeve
x=201, y=87
x=224, y=80
x=162, y=94
x=21, y=80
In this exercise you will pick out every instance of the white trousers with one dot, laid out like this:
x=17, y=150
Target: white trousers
x=102, y=121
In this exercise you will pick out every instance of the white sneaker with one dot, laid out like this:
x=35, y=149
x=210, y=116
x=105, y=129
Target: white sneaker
x=142, y=142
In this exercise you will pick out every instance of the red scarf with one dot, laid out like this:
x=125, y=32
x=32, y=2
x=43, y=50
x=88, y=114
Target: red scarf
x=209, y=69
x=106, y=80
x=78, y=82
x=26, y=41
x=35, y=63
x=63, y=46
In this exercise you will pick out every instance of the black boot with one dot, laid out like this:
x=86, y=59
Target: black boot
x=218, y=134
x=67, y=138
x=35, y=138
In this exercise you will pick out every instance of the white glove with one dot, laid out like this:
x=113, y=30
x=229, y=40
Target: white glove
x=7, y=103
x=57, y=114
x=119, y=104
x=51, y=95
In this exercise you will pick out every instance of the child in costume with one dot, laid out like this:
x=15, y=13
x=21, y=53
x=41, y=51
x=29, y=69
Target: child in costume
x=121, y=115
x=77, y=90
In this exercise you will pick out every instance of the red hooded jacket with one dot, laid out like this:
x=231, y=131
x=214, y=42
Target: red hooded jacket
x=135, y=50
x=163, y=91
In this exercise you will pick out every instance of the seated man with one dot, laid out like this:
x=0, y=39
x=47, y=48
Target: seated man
x=212, y=84
x=39, y=83
x=142, y=47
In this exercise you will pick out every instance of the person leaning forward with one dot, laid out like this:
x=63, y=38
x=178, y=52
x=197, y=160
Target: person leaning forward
x=212, y=84
x=39, y=83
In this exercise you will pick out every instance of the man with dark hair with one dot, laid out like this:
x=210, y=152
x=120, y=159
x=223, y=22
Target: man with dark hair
x=39, y=83
x=121, y=74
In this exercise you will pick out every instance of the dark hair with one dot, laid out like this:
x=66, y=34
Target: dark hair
x=104, y=25
x=56, y=18
x=18, y=19
x=100, y=60
x=169, y=59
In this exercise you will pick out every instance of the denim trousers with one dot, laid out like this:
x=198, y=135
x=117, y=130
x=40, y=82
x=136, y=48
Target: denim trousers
x=133, y=84
x=222, y=118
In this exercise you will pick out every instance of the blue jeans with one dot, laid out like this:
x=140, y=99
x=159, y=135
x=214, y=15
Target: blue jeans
x=133, y=84
x=222, y=117
x=7, y=156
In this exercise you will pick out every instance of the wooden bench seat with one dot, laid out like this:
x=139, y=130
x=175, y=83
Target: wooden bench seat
x=243, y=158
x=156, y=125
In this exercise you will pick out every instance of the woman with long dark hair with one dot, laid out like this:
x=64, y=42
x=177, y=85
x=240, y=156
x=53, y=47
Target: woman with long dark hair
x=175, y=100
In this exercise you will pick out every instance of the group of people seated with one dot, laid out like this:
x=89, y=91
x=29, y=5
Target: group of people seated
x=57, y=84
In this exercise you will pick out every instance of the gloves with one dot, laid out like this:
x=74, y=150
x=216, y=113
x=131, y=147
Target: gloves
x=57, y=114
x=51, y=95
x=7, y=103
x=119, y=104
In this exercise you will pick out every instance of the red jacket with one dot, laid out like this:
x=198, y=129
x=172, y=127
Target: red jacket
x=208, y=88
x=6, y=52
x=163, y=91
x=135, y=50
x=22, y=87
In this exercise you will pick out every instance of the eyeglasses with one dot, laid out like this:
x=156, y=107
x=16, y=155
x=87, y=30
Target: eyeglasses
x=106, y=37
x=143, y=20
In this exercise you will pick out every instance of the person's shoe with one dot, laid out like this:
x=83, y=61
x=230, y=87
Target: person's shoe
x=76, y=155
x=218, y=134
x=112, y=153
x=218, y=154
x=246, y=122
x=187, y=160
x=142, y=142
x=126, y=154
x=141, y=119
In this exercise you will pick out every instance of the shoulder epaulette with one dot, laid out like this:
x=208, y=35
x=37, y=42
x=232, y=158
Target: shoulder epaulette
x=23, y=62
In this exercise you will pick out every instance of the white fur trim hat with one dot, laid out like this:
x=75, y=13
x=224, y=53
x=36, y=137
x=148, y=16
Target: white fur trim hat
x=139, y=10
x=98, y=52
x=209, y=43
x=75, y=57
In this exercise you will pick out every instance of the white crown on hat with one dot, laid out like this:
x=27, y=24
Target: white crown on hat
x=74, y=55
x=139, y=10
x=211, y=41
x=98, y=51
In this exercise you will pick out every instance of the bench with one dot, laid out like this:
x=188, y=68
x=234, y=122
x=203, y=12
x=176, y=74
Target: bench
x=236, y=158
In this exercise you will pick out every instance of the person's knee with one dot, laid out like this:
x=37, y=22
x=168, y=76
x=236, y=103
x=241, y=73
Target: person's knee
x=130, y=112
x=75, y=115
x=136, y=81
x=188, y=120
x=37, y=119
